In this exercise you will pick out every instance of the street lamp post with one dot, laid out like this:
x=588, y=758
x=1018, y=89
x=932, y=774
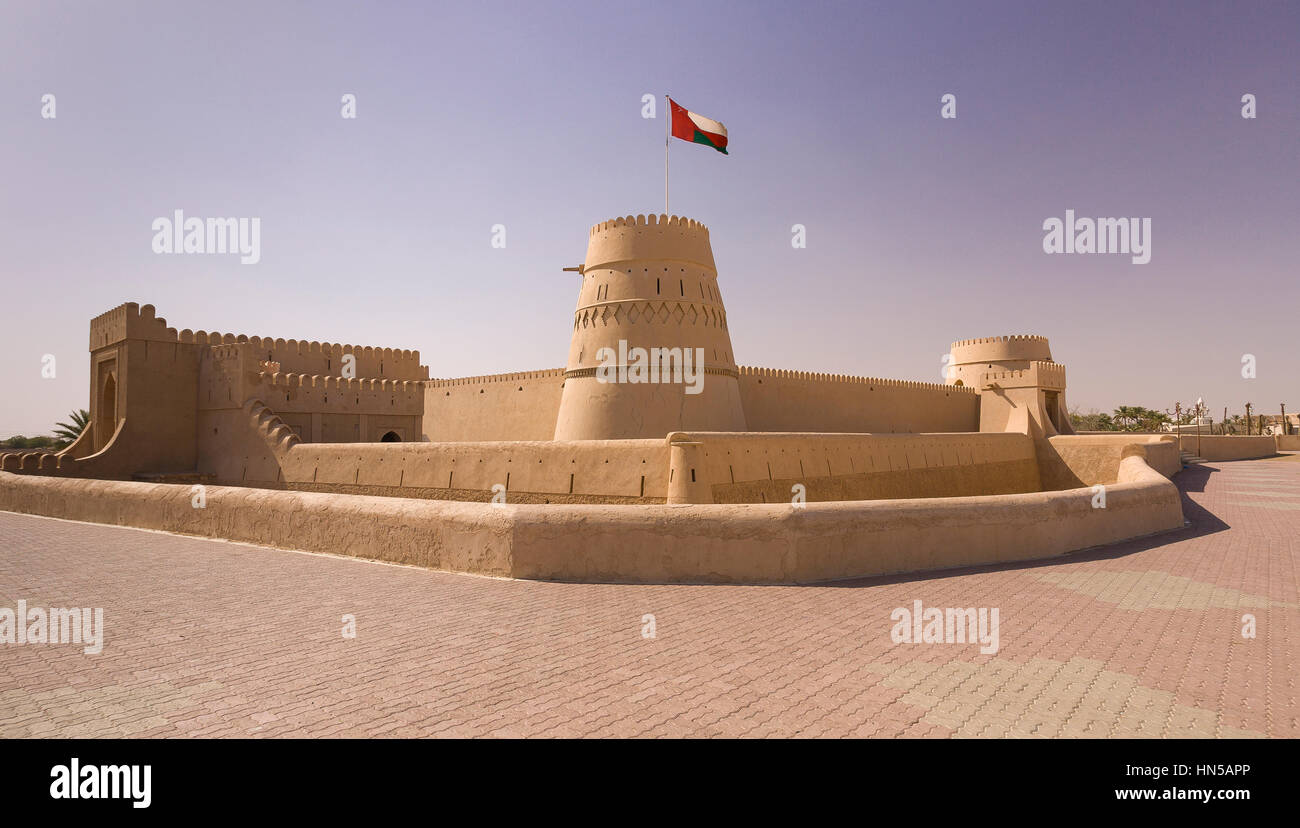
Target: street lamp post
x=1200, y=404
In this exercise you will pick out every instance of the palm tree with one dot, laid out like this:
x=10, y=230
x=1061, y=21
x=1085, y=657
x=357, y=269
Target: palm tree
x=1152, y=420
x=1128, y=416
x=69, y=432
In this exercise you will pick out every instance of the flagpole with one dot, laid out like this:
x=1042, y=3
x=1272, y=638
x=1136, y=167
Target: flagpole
x=668, y=120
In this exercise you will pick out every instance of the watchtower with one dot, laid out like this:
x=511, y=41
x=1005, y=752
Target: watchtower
x=649, y=290
x=1021, y=388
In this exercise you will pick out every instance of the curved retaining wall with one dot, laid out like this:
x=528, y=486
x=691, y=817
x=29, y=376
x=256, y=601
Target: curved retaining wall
x=1071, y=461
x=461, y=537
x=742, y=543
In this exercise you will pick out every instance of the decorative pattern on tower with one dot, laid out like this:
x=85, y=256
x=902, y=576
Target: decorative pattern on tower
x=648, y=283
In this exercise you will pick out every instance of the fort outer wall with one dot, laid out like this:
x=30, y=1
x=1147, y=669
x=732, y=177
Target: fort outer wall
x=318, y=409
x=748, y=543
x=699, y=467
x=326, y=359
x=776, y=400
x=771, y=399
x=523, y=406
x=518, y=406
x=261, y=450
x=753, y=468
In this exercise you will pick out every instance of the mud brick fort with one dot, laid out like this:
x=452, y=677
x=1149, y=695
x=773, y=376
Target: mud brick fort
x=765, y=475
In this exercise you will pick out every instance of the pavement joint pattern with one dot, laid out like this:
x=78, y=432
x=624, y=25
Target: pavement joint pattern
x=206, y=638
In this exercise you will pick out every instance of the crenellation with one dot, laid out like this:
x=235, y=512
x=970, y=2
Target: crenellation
x=490, y=378
x=661, y=221
x=778, y=373
x=995, y=339
x=117, y=325
x=129, y=321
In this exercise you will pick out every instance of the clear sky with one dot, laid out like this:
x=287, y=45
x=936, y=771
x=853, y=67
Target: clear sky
x=920, y=230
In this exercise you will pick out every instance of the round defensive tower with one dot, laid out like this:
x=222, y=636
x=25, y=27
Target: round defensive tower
x=970, y=358
x=649, y=289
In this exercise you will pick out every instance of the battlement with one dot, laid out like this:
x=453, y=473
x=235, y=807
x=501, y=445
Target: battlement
x=557, y=373
x=293, y=394
x=988, y=339
x=314, y=367
x=311, y=357
x=616, y=243
x=280, y=380
x=1049, y=375
x=679, y=222
x=286, y=347
x=129, y=321
x=1019, y=348
x=133, y=321
x=776, y=373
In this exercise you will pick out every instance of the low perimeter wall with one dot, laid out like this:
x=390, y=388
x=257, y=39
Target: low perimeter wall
x=1287, y=442
x=584, y=471
x=1230, y=447
x=1212, y=446
x=740, y=543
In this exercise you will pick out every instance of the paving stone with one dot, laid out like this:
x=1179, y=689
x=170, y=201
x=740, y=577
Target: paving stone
x=207, y=638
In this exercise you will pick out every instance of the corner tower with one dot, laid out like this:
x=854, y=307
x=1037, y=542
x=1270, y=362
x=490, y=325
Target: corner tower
x=1021, y=388
x=649, y=288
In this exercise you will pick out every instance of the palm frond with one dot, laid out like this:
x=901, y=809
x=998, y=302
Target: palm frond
x=71, y=431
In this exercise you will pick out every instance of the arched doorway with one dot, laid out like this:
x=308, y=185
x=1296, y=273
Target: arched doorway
x=1052, y=402
x=390, y=437
x=106, y=421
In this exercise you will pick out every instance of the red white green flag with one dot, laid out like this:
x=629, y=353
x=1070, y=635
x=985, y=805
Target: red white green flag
x=693, y=127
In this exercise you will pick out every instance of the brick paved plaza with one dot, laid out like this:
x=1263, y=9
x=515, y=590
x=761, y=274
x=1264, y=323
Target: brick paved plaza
x=206, y=638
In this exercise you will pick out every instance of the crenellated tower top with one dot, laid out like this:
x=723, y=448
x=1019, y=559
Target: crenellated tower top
x=660, y=238
x=999, y=349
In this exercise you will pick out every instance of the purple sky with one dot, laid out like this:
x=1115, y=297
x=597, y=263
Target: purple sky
x=376, y=231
